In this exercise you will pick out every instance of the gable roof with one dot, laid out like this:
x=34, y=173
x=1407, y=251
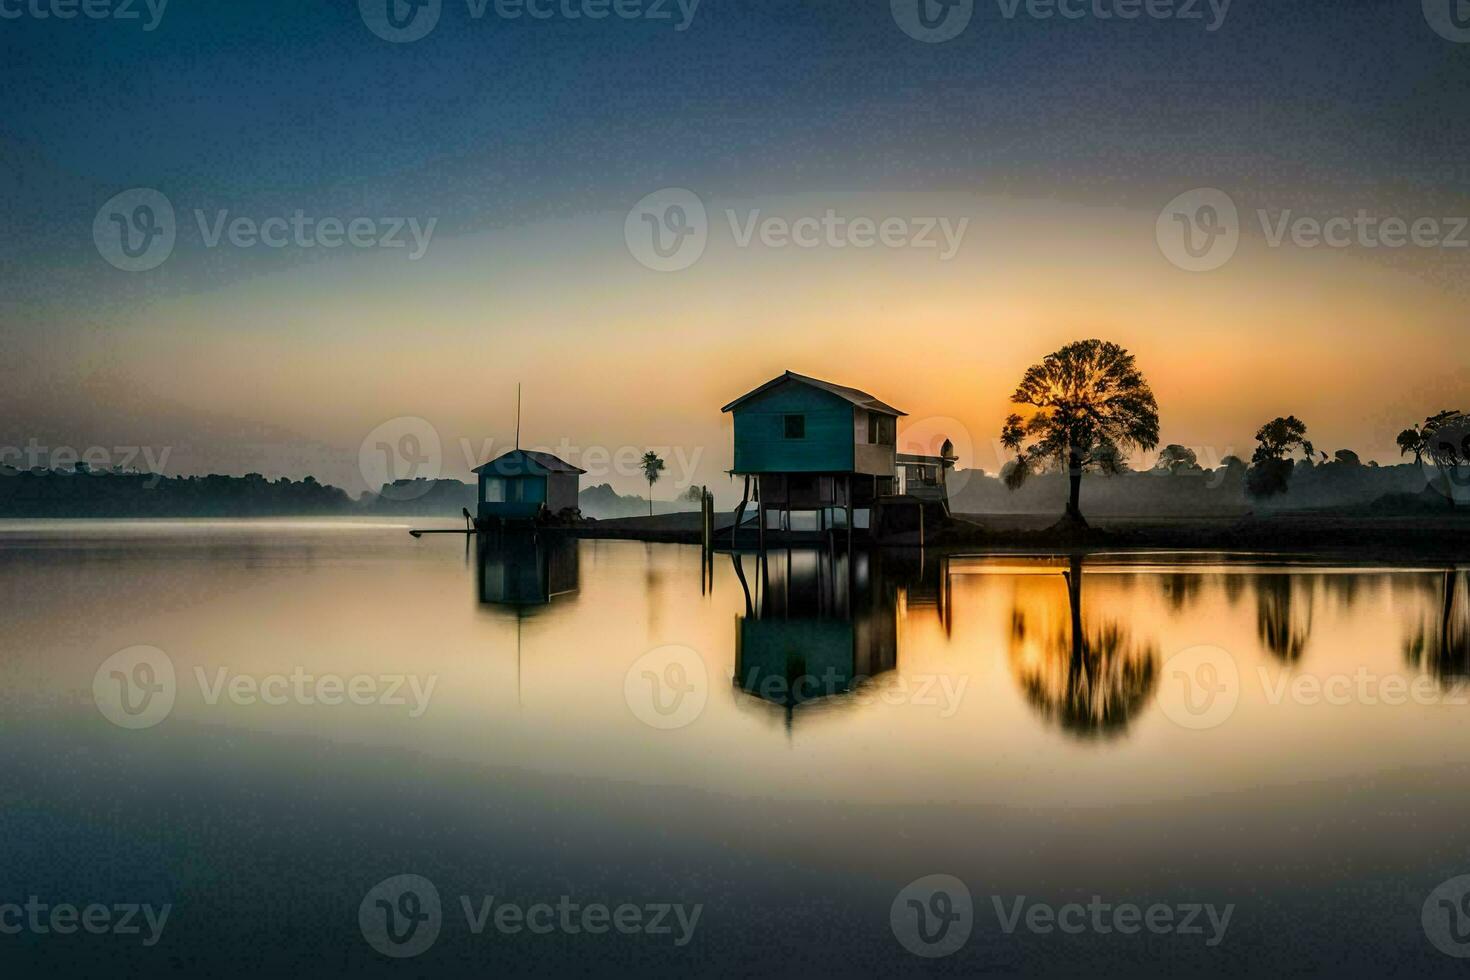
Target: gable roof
x=859, y=398
x=527, y=462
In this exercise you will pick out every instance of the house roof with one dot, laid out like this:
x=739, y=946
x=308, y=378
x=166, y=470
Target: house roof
x=859, y=398
x=527, y=462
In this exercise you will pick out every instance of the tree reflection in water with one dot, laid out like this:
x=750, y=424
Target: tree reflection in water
x=1283, y=623
x=1083, y=673
x=1181, y=589
x=1440, y=644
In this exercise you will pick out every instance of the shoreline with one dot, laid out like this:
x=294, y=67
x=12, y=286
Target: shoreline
x=1446, y=537
x=1439, y=538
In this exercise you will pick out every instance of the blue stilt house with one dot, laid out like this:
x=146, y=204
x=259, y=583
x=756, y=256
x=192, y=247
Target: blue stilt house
x=817, y=448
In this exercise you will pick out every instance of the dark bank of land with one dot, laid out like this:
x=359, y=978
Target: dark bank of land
x=1441, y=537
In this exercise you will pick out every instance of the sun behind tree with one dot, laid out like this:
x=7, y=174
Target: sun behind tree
x=1090, y=403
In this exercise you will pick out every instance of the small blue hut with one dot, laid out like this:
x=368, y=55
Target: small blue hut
x=523, y=484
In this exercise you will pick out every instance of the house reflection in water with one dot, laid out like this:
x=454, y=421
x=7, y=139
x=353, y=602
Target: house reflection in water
x=817, y=624
x=525, y=569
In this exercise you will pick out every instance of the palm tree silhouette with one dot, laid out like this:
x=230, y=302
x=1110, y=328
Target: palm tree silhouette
x=652, y=468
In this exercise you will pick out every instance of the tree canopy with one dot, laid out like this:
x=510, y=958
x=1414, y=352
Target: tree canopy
x=1271, y=466
x=1088, y=404
x=1177, y=459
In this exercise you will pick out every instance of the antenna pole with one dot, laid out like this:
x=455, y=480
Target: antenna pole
x=518, y=415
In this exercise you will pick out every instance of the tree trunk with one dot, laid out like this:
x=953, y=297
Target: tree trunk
x=650, y=498
x=1074, y=479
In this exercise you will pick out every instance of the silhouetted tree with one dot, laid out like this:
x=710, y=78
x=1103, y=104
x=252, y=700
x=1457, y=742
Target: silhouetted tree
x=1176, y=458
x=1270, y=472
x=653, y=467
x=1347, y=457
x=1411, y=440
x=1089, y=402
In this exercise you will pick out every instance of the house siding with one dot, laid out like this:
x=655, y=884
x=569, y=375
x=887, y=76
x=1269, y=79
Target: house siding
x=761, y=445
x=875, y=460
x=525, y=495
x=561, y=491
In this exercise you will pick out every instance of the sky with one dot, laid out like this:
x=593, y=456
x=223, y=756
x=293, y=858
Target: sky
x=836, y=190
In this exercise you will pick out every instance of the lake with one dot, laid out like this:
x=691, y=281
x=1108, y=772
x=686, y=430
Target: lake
x=327, y=747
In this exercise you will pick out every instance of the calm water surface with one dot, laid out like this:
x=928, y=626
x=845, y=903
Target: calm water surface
x=786, y=744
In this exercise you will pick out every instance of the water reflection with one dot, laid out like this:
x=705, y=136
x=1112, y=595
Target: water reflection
x=1084, y=636
x=573, y=794
x=1440, y=643
x=1284, y=613
x=525, y=569
x=816, y=624
x=1080, y=669
x=1181, y=589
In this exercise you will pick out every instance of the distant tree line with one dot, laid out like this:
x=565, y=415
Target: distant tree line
x=1195, y=490
x=82, y=492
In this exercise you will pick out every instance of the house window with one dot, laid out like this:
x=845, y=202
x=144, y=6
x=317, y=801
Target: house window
x=796, y=426
x=494, y=490
x=881, y=429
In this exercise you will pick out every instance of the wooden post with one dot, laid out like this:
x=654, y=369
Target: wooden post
x=706, y=514
x=848, y=480
x=873, y=511
x=760, y=509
